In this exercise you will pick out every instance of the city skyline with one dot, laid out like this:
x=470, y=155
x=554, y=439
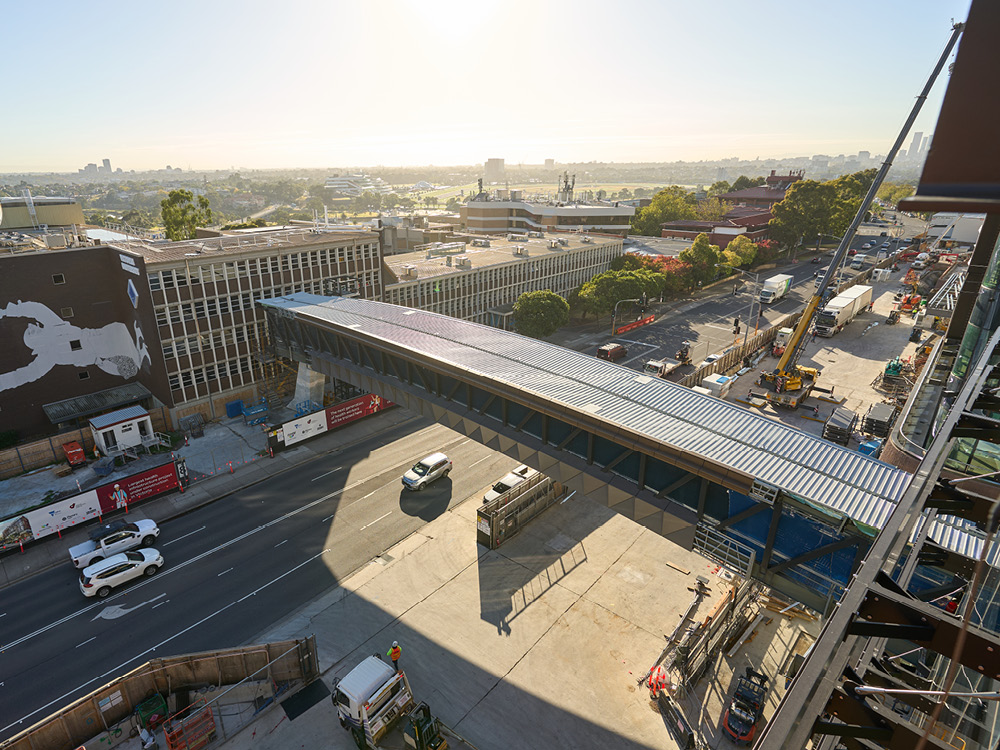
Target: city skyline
x=437, y=83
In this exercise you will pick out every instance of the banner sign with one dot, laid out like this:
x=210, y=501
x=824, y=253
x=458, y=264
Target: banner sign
x=337, y=415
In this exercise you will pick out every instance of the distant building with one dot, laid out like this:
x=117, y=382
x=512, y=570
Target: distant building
x=356, y=184
x=864, y=156
x=29, y=213
x=480, y=278
x=107, y=166
x=550, y=163
x=493, y=171
x=506, y=210
x=914, y=151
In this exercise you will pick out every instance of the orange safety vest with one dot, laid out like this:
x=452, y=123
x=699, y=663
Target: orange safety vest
x=394, y=653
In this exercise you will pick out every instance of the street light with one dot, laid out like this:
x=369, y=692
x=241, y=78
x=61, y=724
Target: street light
x=754, y=298
x=614, y=315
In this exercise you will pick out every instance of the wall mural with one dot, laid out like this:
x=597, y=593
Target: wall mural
x=54, y=342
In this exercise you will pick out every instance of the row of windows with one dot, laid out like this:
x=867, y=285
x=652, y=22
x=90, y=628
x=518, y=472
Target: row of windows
x=199, y=375
x=217, y=272
x=208, y=341
x=188, y=311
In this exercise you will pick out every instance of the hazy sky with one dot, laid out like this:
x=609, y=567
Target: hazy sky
x=320, y=83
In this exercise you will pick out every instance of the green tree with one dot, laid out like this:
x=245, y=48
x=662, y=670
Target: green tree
x=712, y=209
x=137, y=217
x=627, y=262
x=604, y=291
x=740, y=253
x=182, y=214
x=671, y=204
x=702, y=257
x=97, y=218
x=718, y=188
x=539, y=314
x=851, y=190
x=806, y=211
x=744, y=183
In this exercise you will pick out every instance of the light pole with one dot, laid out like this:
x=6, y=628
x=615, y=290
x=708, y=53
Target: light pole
x=614, y=315
x=754, y=298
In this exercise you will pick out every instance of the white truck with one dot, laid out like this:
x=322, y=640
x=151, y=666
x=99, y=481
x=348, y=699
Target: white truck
x=842, y=309
x=509, y=482
x=858, y=261
x=775, y=288
x=112, y=538
x=370, y=699
x=661, y=368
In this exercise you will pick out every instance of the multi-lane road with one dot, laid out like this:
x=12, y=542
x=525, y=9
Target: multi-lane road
x=231, y=569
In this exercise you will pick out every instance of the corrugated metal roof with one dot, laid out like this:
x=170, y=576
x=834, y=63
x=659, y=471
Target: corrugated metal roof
x=801, y=465
x=92, y=403
x=114, y=417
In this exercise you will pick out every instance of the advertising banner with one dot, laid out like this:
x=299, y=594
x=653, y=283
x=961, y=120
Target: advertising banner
x=137, y=487
x=304, y=427
x=356, y=408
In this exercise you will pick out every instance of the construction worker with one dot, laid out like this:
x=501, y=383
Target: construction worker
x=393, y=653
x=120, y=497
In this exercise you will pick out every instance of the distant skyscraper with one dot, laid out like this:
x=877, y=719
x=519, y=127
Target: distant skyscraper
x=864, y=156
x=550, y=163
x=107, y=166
x=925, y=144
x=493, y=170
x=914, y=151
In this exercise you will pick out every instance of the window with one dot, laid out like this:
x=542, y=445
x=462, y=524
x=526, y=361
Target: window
x=168, y=279
x=83, y=375
x=154, y=282
x=58, y=278
x=75, y=345
x=66, y=312
x=175, y=382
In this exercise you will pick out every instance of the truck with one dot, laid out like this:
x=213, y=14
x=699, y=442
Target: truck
x=746, y=707
x=858, y=262
x=775, y=288
x=373, y=697
x=661, y=368
x=112, y=538
x=842, y=309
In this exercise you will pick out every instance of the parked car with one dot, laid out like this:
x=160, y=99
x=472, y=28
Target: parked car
x=427, y=470
x=509, y=482
x=111, y=538
x=612, y=352
x=709, y=360
x=866, y=246
x=98, y=579
x=852, y=251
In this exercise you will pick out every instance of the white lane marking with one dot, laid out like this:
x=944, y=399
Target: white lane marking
x=224, y=572
x=160, y=604
x=86, y=642
x=113, y=670
x=480, y=461
x=329, y=517
x=288, y=572
x=167, y=544
x=372, y=523
x=327, y=474
x=280, y=543
x=116, y=611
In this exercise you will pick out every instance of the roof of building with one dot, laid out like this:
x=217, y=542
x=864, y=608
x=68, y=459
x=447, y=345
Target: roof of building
x=116, y=417
x=754, y=193
x=814, y=470
x=69, y=409
x=433, y=260
x=255, y=243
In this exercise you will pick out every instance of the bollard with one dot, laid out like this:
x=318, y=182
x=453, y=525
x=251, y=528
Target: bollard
x=59, y=532
x=230, y=467
x=21, y=542
x=186, y=439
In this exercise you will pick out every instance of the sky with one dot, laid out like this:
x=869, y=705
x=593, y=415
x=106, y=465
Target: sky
x=219, y=84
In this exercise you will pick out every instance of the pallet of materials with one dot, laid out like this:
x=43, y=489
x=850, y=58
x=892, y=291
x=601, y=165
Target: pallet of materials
x=840, y=426
x=878, y=421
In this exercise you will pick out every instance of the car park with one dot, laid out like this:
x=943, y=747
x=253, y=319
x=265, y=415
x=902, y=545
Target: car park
x=427, y=470
x=101, y=577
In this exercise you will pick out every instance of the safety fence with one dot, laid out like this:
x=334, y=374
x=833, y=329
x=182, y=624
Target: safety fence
x=501, y=518
x=224, y=688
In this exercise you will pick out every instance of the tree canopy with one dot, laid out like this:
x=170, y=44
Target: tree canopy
x=739, y=253
x=812, y=208
x=702, y=257
x=670, y=204
x=182, y=214
x=743, y=182
x=539, y=314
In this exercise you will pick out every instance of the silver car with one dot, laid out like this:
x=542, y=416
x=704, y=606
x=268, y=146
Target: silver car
x=98, y=579
x=426, y=470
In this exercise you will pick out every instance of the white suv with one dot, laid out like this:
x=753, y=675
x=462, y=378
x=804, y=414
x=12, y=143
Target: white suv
x=426, y=470
x=98, y=579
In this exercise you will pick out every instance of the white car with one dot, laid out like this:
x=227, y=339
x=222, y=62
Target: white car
x=98, y=579
x=709, y=360
x=509, y=481
x=426, y=470
x=112, y=538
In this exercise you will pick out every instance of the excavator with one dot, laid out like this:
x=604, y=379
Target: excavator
x=790, y=383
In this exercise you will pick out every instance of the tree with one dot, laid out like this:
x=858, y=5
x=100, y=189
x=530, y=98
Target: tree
x=670, y=204
x=702, y=257
x=712, y=209
x=604, y=291
x=182, y=214
x=453, y=203
x=739, y=253
x=718, y=188
x=744, y=183
x=539, y=314
x=137, y=218
x=807, y=210
x=851, y=189
x=627, y=262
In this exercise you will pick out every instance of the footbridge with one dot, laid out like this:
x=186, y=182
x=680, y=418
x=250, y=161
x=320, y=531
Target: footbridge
x=799, y=511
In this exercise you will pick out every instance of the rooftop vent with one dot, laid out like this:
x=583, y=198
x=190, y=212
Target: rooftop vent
x=409, y=272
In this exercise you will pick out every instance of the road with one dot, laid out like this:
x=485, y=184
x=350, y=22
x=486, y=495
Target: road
x=708, y=322
x=231, y=569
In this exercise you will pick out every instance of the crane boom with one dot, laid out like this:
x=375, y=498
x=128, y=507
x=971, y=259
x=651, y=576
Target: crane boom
x=787, y=375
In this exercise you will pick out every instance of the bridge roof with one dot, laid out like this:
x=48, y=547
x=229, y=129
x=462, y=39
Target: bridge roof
x=804, y=466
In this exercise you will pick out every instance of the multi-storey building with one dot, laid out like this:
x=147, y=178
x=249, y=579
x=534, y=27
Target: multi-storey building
x=507, y=210
x=480, y=278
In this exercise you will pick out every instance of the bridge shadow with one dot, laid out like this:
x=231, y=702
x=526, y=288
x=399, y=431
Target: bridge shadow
x=429, y=503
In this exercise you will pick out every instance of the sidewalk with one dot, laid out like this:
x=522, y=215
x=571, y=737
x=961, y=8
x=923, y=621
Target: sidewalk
x=52, y=551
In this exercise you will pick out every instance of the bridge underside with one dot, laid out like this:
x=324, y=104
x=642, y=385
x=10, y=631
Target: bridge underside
x=668, y=499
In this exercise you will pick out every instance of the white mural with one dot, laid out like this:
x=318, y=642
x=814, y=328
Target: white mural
x=54, y=341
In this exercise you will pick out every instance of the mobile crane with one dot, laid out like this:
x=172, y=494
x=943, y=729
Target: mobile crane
x=790, y=383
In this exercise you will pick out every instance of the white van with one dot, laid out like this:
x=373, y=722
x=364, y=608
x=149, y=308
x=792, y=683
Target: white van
x=370, y=699
x=509, y=481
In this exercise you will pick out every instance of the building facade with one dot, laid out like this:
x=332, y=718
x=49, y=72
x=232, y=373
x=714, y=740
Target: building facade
x=479, y=279
x=506, y=211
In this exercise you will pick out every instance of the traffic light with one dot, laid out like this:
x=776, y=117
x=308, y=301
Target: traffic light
x=736, y=289
x=736, y=326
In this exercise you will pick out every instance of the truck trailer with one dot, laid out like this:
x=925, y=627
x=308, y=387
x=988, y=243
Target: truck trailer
x=775, y=288
x=842, y=309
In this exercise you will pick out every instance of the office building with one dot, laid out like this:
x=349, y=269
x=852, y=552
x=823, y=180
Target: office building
x=356, y=184
x=507, y=210
x=493, y=171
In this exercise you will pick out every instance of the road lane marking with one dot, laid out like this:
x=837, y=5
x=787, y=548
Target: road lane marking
x=167, y=544
x=116, y=611
x=280, y=543
x=160, y=604
x=372, y=523
x=328, y=517
x=480, y=461
x=224, y=572
x=86, y=642
x=327, y=474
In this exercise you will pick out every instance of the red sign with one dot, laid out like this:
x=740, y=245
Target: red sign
x=137, y=487
x=356, y=408
x=631, y=326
